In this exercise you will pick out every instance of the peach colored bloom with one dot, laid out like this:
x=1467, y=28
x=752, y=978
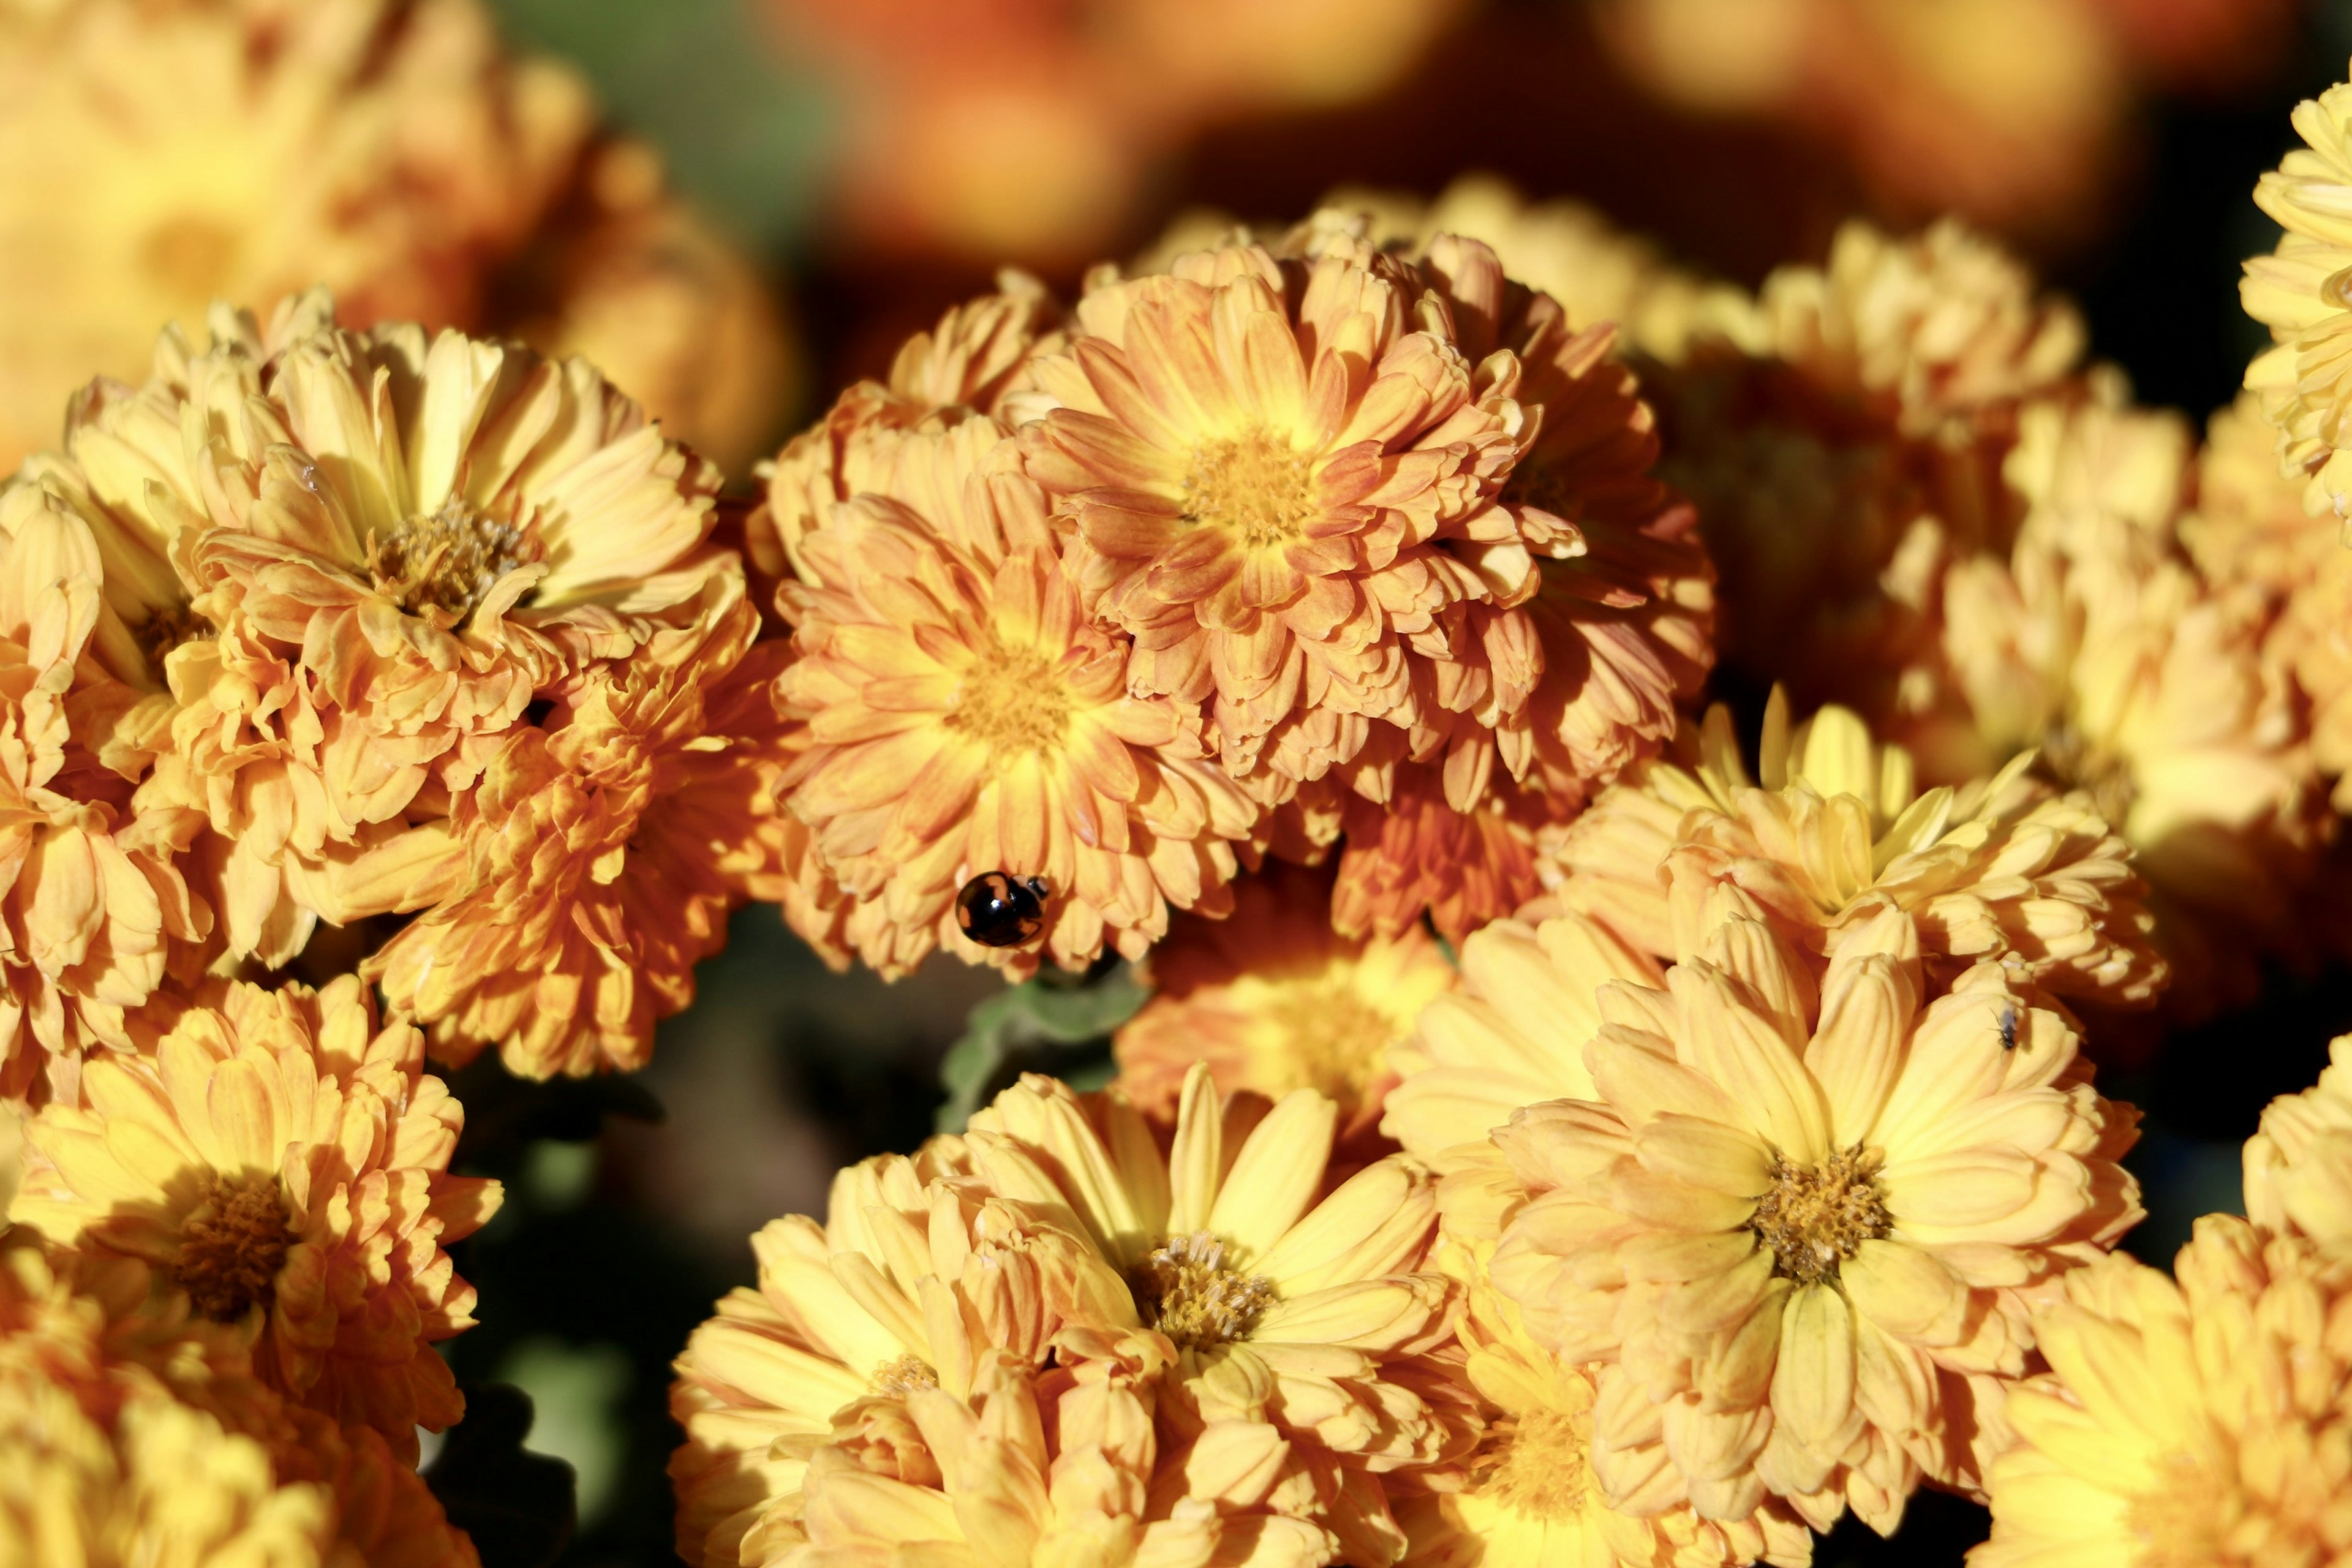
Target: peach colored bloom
x=964, y=715
x=282, y=1163
x=1803, y=1221
x=1271, y=999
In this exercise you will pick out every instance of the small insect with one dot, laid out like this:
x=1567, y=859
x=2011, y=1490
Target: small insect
x=2009, y=1028
x=996, y=909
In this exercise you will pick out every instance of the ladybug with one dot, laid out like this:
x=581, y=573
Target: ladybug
x=996, y=910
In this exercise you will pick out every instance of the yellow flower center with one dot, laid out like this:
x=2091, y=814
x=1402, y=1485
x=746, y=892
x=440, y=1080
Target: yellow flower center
x=232, y=1246
x=447, y=560
x=1814, y=1217
x=1184, y=1289
x=1534, y=1463
x=1256, y=486
x=190, y=258
x=1013, y=701
x=1330, y=1036
x=904, y=1376
x=2186, y=1520
x=2071, y=760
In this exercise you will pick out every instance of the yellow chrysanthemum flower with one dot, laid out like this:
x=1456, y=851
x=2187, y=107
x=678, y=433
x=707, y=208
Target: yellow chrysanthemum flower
x=1802, y=1221
x=2298, y=1163
x=1846, y=430
x=2207, y=1421
x=596, y=862
x=2294, y=293
x=1512, y=1034
x=891, y=1369
x=1290, y=1307
x=2094, y=643
x=282, y=1162
x=157, y=158
x=129, y=1435
x=1531, y=1500
x=94, y=911
x=964, y=715
x=387, y=546
x=2004, y=868
x=1271, y=999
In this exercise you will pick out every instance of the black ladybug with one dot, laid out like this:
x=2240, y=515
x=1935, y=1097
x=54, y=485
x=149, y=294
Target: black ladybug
x=995, y=911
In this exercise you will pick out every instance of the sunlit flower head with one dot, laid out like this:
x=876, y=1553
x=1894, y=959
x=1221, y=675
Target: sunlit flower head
x=2302, y=380
x=1319, y=483
x=384, y=548
x=2298, y=1164
x=94, y=912
x=1837, y=831
x=1844, y=433
x=2205, y=1421
x=154, y=159
x=2143, y=685
x=1297, y=1314
x=129, y=1435
x=1531, y=1500
x=1597, y=271
x=281, y=1162
x=964, y=715
x=976, y=358
x=1802, y=1221
x=596, y=861
x=1273, y=999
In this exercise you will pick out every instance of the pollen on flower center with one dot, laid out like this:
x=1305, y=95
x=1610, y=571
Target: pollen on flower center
x=1184, y=1289
x=1013, y=701
x=2072, y=762
x=1814, y=1217
x=232, y=1246
x=448, y=559
x=1533, y=1464
x=1333, y=1035
x=905, y=1375
x=1257, y=486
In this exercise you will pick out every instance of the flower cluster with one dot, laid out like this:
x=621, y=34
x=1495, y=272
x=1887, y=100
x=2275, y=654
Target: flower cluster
x=413, y=624
x=1290, y=540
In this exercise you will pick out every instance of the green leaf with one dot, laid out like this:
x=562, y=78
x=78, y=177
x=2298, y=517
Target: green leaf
x=516, y=1505
x=1057, y=1024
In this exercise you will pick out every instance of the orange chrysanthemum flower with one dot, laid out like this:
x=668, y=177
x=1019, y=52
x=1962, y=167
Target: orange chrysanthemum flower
x=2004, y=868
x=129, y=1435
x=1802, y=1221
x=283, y=1163
x=1271, y=999
x=1415, y=857
x=596, y=863
x=2207, y=1421
x=962, y=715
x=93, y=909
